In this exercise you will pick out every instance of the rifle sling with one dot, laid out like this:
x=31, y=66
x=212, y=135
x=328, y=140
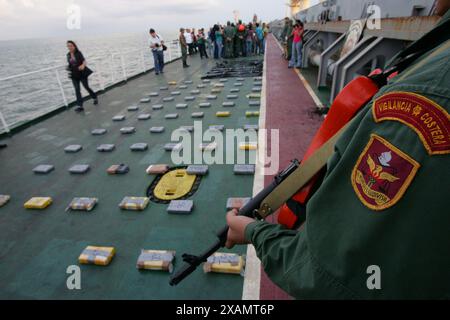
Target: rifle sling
x=300, y=177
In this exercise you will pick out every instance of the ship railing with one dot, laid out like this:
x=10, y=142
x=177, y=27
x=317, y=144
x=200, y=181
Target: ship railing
x=30, y=95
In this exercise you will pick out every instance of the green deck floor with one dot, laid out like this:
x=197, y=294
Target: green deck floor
x=36, y=247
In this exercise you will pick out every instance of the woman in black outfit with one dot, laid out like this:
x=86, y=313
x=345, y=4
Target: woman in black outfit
x=79, y=73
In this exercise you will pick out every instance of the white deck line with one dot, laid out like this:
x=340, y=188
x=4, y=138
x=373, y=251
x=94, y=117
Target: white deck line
x=252, y=280
x=305, y=83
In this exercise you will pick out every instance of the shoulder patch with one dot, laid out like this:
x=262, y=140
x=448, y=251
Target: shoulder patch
x=429, y=120
x=382, y=174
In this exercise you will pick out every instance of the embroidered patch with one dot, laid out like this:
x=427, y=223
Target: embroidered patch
x=382, y=174
x=429, y=120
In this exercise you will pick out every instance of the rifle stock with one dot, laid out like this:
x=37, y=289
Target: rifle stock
x=249, y=210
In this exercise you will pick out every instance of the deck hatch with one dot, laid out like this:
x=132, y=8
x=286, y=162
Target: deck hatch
x=176, y=184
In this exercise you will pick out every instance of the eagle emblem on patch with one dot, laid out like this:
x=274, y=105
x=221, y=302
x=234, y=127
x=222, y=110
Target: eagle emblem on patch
x=382, y=174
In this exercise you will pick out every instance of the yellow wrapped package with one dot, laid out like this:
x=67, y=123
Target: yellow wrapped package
x=249, y=114
x=249, y=146
x=156, y=260
x=38, y=203
x=4, y=199
x=225, y=263
x=100, y=256
x=254, y=96
x=134, y=203
x=223, y=114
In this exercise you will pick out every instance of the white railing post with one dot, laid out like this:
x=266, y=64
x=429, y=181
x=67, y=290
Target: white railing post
x=5, y=125
x=100, y=77
x=61, y=88
x=111, y=68
x=124, y=71
x=170, y=53
x=143, y=61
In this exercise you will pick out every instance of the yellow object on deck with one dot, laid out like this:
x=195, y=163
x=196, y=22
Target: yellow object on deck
x=38, y=203
x=174, y=185
x=100, y=256
x=223, y=114
x=248, y=146
x=225, y=263
x=254, y=96
x=249, y=114
x=172, y=83
x=156, y=260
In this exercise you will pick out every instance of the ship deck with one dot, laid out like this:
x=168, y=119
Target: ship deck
x=36, y=247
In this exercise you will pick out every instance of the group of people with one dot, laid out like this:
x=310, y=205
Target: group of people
x=238, y=40
x=230, y=41
x=292, y=36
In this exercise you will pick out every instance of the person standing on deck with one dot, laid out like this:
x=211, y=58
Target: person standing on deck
x=219, y=42
x=289, y=40
x=210, y=41
x=229, y=40
x=284, y=33
x=184, y=48
x=240, y=40
x=250, y=40
x=235, y=29
x=201, y=40
x=194, y=41
x=378, y=225
x=156, y=43
x=285, y=36
x=297, y=46
x=79, y=73
x=266, y=30
x=189, y=41
x=260, y=36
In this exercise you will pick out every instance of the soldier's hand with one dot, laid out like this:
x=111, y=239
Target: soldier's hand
x=237, y=224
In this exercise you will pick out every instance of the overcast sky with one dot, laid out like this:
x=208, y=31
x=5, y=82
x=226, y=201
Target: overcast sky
x=48, y=18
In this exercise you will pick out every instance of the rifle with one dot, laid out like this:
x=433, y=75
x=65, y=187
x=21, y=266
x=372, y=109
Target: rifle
x=249, y=210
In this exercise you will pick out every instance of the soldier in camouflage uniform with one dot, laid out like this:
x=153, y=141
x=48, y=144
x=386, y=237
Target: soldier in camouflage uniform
x=229, y=34
x=383, y=207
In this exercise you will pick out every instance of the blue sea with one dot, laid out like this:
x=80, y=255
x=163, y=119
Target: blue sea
x=28, y=96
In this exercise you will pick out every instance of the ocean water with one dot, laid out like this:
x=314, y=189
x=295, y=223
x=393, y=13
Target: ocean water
x=31, y=95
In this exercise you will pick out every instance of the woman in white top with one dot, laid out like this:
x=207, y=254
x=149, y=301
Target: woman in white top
x=156, y=43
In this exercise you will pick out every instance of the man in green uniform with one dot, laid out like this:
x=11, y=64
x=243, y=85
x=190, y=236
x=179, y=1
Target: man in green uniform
x=378, y=226
x=288, y=38
x=229, y=34
x=240, y=39
x=184, y=48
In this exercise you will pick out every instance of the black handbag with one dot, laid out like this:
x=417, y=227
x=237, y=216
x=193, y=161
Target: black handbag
x=86, y=72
